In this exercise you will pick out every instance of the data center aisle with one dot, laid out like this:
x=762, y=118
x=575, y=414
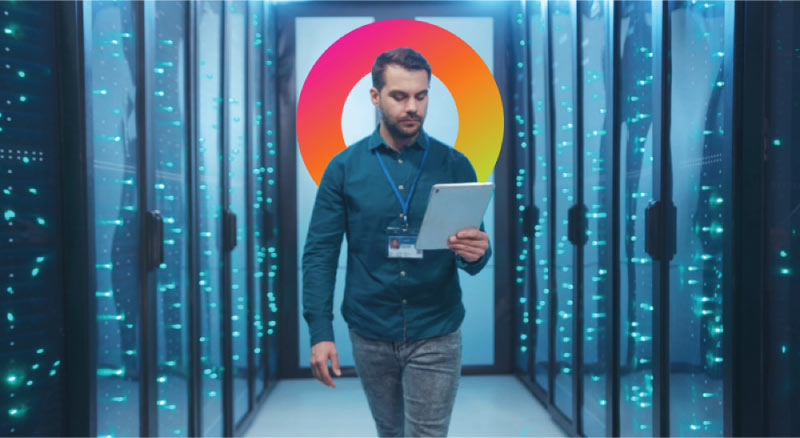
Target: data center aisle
x=485, y=406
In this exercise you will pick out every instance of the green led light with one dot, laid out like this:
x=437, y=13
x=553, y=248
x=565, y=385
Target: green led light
x=785, y=271
x=108, y=372
x=9, y=214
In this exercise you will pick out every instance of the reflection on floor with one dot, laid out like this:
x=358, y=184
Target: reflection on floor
x=485, y=406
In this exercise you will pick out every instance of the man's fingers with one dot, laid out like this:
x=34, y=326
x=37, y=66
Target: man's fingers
x=321, y=353
x=335, y=365
x=320, y=370
x=324, y=376
x=470, y=233
x=469, y=254
x=470, y=245
x=316, y=372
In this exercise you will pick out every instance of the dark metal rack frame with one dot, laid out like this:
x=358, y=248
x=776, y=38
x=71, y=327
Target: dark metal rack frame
x=613, y=323
x=559, y=417
x=195, y=381
x=81, y=343
x=148, y=328
x=579, y=207
x=225, y=287
x=532, y=212
x=550, y=144
x=542, y=394
x=519, y=92
x=249, y=190
x=662, y=184
x=530, y=164
x=744, y=312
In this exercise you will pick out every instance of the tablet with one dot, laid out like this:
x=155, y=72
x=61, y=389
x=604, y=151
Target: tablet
x=451, y=208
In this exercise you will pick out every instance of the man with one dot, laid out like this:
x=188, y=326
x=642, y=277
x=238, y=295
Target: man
x=403, y=307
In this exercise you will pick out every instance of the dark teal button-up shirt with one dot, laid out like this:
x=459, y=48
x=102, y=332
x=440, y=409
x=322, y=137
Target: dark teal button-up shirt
x=384, y=299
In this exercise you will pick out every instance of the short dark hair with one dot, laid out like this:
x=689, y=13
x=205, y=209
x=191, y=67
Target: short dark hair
x=405, y=57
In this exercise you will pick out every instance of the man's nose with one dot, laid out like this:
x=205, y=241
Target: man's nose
x=411, y=107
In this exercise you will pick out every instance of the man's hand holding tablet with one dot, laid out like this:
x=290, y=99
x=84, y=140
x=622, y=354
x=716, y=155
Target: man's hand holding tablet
x=470, y=243
x=453, y=217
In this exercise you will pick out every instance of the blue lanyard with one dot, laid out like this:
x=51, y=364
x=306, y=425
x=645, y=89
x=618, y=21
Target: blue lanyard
x=403, y=204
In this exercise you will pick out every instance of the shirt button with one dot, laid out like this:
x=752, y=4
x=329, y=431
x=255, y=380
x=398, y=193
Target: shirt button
x=403, y=273
x=405, y=301
x=400, y=161
x=400, y=187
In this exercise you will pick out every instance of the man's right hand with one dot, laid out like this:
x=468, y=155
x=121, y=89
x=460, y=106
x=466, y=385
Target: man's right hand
x=321, y=353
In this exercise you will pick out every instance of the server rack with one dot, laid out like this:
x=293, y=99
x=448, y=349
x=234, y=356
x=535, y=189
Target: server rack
x=143, y=75
x=32, y=252
x=619, y=292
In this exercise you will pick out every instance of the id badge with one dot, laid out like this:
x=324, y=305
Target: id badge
x=402, y=244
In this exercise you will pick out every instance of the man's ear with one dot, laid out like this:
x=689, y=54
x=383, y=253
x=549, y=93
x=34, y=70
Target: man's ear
x=374, y=94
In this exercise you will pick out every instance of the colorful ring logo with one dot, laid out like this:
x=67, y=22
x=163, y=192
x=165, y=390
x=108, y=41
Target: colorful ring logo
x=454, y=62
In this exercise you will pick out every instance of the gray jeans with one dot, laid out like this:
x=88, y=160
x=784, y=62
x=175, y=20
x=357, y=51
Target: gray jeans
x=410, y=386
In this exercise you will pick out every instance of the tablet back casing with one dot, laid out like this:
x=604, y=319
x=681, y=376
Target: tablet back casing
x=452, y=207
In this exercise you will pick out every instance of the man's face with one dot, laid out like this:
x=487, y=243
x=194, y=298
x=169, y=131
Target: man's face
x=402, y=101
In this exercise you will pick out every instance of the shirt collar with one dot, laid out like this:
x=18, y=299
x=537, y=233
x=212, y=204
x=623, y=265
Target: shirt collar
x=376, y=139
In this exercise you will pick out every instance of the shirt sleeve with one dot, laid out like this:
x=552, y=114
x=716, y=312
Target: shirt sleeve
x=466, y=173
x=321, y=253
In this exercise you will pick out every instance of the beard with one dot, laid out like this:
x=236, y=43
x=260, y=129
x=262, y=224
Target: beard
x=396, y=130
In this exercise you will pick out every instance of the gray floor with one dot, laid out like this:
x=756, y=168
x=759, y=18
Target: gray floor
x=485, y=406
